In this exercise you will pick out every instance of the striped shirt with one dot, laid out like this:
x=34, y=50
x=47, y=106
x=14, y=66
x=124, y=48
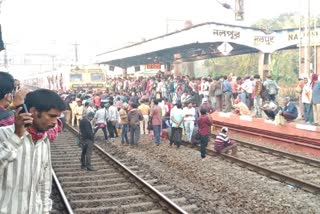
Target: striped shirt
x=25, y=175
x=6, y=117
x=220, y=141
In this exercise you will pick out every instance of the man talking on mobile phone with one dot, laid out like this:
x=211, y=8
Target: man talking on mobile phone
x=25, y=162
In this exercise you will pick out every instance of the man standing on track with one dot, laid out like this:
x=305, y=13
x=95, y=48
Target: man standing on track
x=134, y=118
x=25, y=161
x=87, y=140
x=204, y=124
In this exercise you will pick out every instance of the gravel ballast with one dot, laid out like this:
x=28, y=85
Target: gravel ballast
x=216, y=185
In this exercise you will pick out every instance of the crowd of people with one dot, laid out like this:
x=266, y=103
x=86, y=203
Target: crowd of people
x=167, y=106
x=164, y=107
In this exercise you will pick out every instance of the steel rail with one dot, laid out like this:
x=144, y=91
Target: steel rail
x=313, y=188
x=276, y=175
x=306, y=142
x=300, y=158
x=62, y=194
x=155, y=194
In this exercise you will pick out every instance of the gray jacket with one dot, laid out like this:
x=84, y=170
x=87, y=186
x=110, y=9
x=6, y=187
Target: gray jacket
x=134, y=117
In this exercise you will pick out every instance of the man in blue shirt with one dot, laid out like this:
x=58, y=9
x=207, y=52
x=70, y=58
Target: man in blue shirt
x=227, y=92
x=289, y=112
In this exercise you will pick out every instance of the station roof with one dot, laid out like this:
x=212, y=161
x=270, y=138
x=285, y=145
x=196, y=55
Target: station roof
x=197, y=42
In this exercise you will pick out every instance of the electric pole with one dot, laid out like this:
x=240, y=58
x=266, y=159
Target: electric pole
x=5, y=56
x=76, y=52
x=239, y=10
x=307, y=39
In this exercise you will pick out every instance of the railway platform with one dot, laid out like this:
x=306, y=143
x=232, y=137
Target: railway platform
x=293, y=133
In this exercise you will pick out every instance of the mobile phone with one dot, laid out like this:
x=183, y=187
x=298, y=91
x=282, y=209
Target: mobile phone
x=24, y=108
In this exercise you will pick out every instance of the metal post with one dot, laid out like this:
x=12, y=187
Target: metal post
x=76, y=52
x=307, y=40
x=315, y=66
x=5, y=56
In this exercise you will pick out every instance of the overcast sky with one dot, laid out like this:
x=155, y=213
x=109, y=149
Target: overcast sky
x=98, y=25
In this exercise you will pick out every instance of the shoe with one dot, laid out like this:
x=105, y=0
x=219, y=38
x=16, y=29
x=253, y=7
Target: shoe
x=91, y=169
x=83, y=167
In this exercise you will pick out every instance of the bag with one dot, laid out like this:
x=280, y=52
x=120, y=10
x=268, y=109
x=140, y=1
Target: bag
x=272, y=88
x=298, y=89
x=264, y=93
x=101, y=125
x=149, y=125
x=198, y=136
x=78, y=141
x=279, y=119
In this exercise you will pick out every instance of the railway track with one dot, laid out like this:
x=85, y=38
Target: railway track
x=294, y=170
x=61, y=204
x=114, y=187
x=283, y=137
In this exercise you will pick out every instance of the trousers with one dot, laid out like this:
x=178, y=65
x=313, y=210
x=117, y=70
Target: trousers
x=87, y=146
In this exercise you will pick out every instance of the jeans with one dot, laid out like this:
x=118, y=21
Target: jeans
x=204, y=139
x=227, y=101
x=124, y=133
x=134, y=134
x=257, y=105
x=242, y=97
x=112, y=129
x=156, y=133
x=213, y=102
x=189, y=125
x=87, y=147
x=308, y=112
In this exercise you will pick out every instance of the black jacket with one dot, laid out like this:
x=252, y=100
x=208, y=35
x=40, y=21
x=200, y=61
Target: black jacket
x=86, y=130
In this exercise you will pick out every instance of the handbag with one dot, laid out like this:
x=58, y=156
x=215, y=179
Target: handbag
x=101, y=125
x=198, y=136
x=149, y=125
x=78, y=141
x=298, y=89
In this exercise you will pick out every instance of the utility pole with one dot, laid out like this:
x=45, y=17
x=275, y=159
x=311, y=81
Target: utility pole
x=306, y=39
x=5, y=56
x=238, y=8
x=1, y=1
x=53, y=62
x=76, y=52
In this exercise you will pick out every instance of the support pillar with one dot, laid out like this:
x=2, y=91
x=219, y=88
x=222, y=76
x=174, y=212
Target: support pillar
x=167, y=67
x=176, y=64
x=124, y=72
x=264, y=65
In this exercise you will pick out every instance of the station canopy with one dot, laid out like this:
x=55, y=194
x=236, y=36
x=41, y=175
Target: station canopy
x=202, y=41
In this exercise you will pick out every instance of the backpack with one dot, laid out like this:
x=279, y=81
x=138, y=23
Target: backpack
x=272, y=88
x=264, y=93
